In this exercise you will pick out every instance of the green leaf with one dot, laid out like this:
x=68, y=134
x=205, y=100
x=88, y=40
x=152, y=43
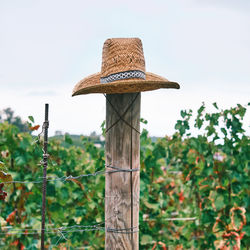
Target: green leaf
x=246, y=229
x=223, y=130
x=31, y=118
x=143, y=121
x=183, y=113
x=236, y=187
x=215, y=105
x=201, y=109
x=146, y=239
x=208, y=216
x=51, y=190
x=219, y=202
x=20, y=160
x=103, y=128
x=65, y=193
x=199, y=123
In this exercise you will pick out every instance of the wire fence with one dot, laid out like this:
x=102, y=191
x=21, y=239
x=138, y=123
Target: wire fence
x=62, y=232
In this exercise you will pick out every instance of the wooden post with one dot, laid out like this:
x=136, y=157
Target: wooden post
x=122, y=188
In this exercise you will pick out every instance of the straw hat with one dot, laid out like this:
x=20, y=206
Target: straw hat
x=123, y=71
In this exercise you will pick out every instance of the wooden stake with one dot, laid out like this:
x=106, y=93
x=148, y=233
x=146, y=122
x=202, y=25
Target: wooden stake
x=122, y=188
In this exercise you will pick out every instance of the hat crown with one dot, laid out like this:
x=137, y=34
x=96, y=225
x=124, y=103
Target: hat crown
x=121, y=55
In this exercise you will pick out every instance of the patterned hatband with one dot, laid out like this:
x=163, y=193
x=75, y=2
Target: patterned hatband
x=123, y=75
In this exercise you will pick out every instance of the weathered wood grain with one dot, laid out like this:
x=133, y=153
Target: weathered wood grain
x=122, y=188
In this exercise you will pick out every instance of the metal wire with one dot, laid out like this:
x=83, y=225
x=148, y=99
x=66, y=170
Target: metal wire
x=121, y=117
x=174, y=219
x=64, y=229
x=56, y=230
x=117, y=169
x=70, y=177
x=122, y=230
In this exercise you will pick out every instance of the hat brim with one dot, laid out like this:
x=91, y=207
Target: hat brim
x=91, y=84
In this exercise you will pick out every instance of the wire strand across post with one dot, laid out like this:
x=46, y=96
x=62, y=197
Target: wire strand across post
x=45, y=164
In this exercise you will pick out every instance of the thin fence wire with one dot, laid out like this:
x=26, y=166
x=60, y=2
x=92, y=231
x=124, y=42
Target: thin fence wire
x=53, y=179
x=78, y=228
x=70, y=177
x=64, y=229
x=121, y=117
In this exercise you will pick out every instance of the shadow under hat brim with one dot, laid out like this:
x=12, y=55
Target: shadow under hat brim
x=91, y=84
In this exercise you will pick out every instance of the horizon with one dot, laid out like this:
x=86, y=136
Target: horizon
x=193, y=130
x=47, y=47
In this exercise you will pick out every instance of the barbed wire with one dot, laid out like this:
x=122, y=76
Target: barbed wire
x=64, y=229
x=51, y=178
x=70, y=177
x=71, y=229
x=54, y=231
x=51, y=229
x=81, y=228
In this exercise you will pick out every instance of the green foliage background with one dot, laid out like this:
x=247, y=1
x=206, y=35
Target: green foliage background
x=204, y=177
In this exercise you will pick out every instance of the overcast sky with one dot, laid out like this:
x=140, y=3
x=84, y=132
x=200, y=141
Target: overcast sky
x=47, y=46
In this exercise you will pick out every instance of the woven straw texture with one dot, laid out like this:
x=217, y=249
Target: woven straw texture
x=121, y=55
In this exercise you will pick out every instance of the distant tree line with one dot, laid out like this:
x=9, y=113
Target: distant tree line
x=8, y=116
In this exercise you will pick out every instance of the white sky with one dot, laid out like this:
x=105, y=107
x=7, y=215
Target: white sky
x=47, y=46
